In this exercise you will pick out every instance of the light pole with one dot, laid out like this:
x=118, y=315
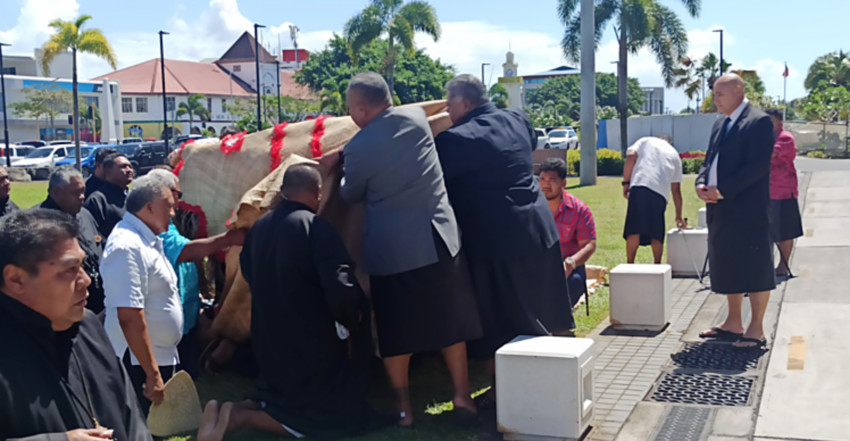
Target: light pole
x=721, y=49
x=588, y=94
x=257, y=66
x=3, y=97
x=277, y=74
x=165, y=132
x=482, y=73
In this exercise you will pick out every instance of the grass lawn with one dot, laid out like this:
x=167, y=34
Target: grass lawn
x=431, y=386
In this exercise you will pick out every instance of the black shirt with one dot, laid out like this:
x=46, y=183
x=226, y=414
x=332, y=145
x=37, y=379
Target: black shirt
x=106, y=205
x=7, y=206
x=53, y=382
x=93, y=183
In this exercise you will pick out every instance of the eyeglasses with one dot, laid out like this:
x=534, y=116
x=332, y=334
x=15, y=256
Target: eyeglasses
x=177, y=193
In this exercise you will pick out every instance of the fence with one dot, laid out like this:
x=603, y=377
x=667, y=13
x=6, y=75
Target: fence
x=689, y=132
x=829, y=137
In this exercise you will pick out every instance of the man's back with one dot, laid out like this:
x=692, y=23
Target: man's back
x=488, y=169
x=658, y=165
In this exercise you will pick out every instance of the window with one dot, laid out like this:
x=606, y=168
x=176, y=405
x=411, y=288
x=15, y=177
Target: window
x=169, y=103
x=224, y=106
x=127, y=105
x=10, y=70
x=237, y=68
x=209, y=104
x=141, y=105
x=92, y=100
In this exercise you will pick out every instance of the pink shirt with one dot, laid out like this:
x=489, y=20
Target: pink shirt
x=783, y=175
x=575, y=224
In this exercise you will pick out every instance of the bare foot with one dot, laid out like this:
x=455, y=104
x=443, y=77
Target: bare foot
x=214, y=421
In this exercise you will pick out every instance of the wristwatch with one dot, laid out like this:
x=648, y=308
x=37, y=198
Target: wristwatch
x=570, y=261
x=626, y=182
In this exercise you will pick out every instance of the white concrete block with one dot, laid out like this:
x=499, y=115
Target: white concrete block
x=640, y=296
x=545, y=388
x=686, y=251
x=701, y=218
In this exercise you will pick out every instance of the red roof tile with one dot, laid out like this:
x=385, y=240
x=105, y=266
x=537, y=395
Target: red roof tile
x=181, y=78
x=288, y=87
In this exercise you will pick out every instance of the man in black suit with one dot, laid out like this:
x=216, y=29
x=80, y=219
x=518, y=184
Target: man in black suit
x=506, y=226
x=735, y=185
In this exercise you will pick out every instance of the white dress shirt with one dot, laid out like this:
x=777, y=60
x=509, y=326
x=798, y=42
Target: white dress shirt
x=657, y=166
x=136, y=274
x=712, y=172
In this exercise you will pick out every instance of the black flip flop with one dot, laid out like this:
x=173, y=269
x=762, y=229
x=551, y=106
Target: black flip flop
x=722, y=334
x=465, y=417
x=485, y=402
x=758, y=343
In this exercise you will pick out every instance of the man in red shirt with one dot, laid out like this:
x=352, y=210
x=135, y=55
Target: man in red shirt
x=576, y=229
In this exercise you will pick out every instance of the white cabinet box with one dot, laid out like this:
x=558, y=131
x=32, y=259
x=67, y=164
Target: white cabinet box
x=701, y=218
x=686, y=251
x=544, y=388
x=640, y=296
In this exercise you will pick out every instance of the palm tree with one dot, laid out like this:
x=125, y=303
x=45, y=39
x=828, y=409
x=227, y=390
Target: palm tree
x=397, y=21
x=687, y=77
x=332, y=102
x=639, y=23
x=829, y=70
x=69, y=35
x=194, y=105
x=499, y=95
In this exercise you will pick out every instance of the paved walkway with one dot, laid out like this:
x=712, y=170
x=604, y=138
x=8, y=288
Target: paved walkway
x=796, y=392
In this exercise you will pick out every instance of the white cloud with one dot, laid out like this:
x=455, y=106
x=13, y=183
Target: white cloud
x=31, y=29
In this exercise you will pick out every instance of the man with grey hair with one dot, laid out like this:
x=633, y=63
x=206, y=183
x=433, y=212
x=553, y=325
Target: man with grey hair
x=66, y=193
x=6, y=204
x=508, y=229
x=144, y=319
x=411, y=243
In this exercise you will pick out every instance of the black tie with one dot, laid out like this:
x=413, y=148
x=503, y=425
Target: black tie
x=720, y=137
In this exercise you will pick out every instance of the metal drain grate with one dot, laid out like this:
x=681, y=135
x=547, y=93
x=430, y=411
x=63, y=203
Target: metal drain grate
x=720, y=356
x=683, y=424
x=715, y=390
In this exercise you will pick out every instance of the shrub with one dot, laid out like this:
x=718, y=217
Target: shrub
x=573, y=158
x=817, y=154
x=692, y=165
x=608, y=162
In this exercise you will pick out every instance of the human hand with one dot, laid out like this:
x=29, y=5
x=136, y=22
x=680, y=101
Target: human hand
x=568, y=269
x=329, y=160
x=681, y=223
x=708, y=194
x=626, y=188
x=96, y=434
x=154, y=389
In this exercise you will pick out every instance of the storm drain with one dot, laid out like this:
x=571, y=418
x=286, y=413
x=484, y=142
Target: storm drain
x=713, y=390
x=683, y=424
x=718, y=356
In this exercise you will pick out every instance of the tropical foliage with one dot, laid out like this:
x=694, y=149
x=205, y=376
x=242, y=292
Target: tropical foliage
x=398, y=21
x=499, y=95
x=47, y=102
x=245, y=111
x=194, y=106
x=830, y=70
x=562, y=95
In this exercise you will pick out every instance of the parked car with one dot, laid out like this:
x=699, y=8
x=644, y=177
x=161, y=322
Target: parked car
x=542, y=139
x=85, y=152
x=33, y=143
x=183, y=138
x=17, y=152
x=145, y=155
x=43, y=157
x=132, y=140
x=563, y=138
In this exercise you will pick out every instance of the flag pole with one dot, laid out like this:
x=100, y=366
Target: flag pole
x=785, y=91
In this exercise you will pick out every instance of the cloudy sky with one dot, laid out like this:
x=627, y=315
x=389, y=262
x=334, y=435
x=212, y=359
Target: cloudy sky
x=759, y=34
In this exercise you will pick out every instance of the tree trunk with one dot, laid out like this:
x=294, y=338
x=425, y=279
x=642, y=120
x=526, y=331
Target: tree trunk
x=622, y=83
x=76, y=109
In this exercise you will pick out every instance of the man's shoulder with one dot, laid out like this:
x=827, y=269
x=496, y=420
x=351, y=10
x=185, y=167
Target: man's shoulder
x=124, y=237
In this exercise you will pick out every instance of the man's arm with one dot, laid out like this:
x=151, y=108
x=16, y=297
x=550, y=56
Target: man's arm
x=628, y=169
x=356, y=171
x=758, y=153
x=132, y=321
x=455, y=159
x=201, y=248
x=676, y=189
x=588, y=247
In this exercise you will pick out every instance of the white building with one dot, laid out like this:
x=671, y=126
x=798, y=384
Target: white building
x=654, y=101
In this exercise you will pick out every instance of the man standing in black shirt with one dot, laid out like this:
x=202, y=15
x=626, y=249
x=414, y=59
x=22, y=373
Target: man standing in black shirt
x=96, y=180
x=106, y=203
x=6, y=204
x=65, y=193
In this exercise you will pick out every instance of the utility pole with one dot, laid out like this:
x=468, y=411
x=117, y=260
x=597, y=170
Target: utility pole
x=588, y=94
x=721, y=50
x=482, y=74
x=3, y=97
x=257, y=66
x=165, y=132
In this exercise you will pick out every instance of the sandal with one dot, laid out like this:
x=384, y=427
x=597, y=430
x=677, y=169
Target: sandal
x=465, y=417
x=485, y=402
x=757, y=343
x=721, y=334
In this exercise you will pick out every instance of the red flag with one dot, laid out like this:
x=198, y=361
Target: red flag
x=785, y=73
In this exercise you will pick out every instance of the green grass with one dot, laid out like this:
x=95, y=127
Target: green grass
x=28, y=194
x=430, y=383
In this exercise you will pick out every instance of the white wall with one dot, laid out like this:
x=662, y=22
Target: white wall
x=689, y=132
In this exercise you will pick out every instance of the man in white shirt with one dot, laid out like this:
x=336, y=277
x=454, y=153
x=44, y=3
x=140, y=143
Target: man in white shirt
x=144, y=318
x=652, y=170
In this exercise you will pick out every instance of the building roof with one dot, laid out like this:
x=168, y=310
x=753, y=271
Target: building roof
x=558, y=71
x=181, y=78
x=243, y=50
x=289, y=55
x=288, y=87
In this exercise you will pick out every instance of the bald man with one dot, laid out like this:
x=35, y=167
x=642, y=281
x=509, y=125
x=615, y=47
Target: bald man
x=735, y=185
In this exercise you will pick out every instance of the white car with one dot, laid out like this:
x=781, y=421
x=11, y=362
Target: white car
x=542, y=139
x=43, y=157
x=563, y=139
x=17, y=152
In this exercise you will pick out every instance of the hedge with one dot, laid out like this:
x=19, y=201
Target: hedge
x=608, y=162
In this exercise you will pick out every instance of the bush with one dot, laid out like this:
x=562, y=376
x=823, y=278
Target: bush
x=573, y=158
x=692, y=165
x=817, y=154
x=608, y=162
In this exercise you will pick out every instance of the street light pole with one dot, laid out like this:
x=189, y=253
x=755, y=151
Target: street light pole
x=587, y=164
x=482, y=73
x=257, y=66
x=165, y=132
x=3, y=97
x=721, y=49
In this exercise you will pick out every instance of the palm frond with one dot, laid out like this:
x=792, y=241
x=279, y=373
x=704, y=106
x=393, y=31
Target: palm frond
x=94, y=42
x=402, y=32
x=571, y=43
x=566, y=9
x=362, y=29
x=49, y=51
x=422, y=18
x=693, y=7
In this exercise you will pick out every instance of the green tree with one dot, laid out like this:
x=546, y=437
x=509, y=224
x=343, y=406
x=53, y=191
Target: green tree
x=638, y=24
x=754, y=90
x=399, y=22
x=44, y=101
x=827, y=104
x=245, y=111
x=194, y=106
x=499, y=95
x=688, y=79
x=418, y=77
x=69, y=35
x=93, y=123
x=331, y=101
x=829, y=70
x=566, y=90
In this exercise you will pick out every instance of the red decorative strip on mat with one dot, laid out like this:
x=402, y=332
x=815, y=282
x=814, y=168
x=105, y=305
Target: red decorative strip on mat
x=197, y=211
x=178, y=167
x=232, y=143
x=318, y=132
x=277, y=144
